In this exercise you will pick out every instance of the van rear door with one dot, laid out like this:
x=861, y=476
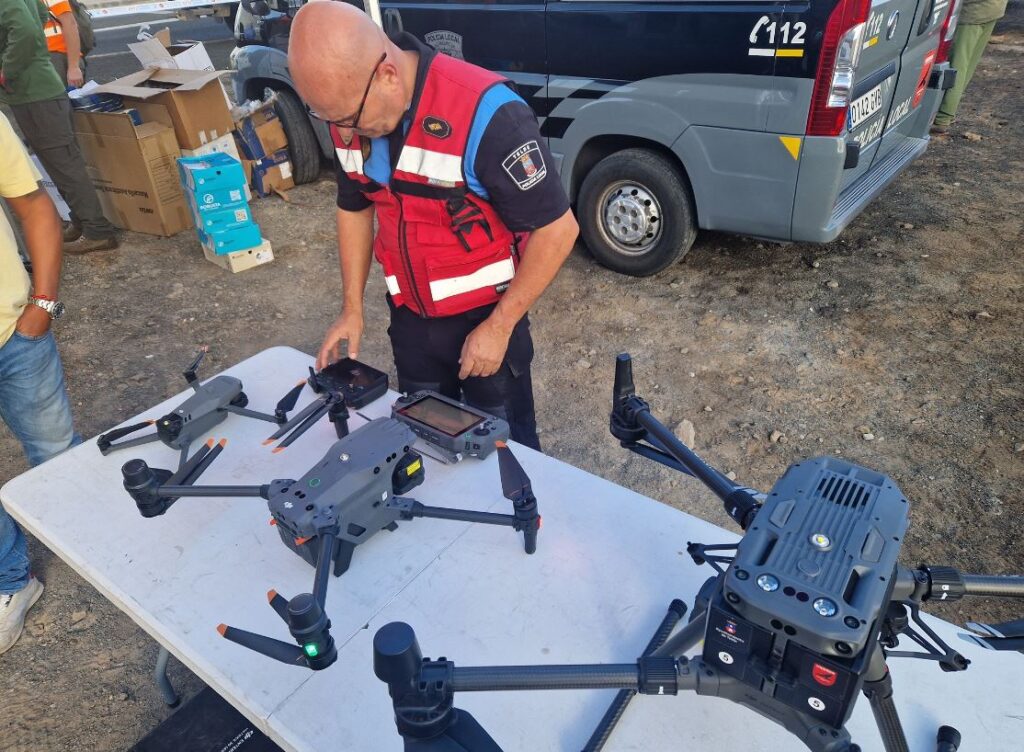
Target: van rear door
x=918, y=36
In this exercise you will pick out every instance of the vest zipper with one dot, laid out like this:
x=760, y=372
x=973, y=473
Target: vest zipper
x=403, y=251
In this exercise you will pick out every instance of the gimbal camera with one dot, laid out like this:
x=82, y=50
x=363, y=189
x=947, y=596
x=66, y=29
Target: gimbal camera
x=344, y=499
x=797, y=622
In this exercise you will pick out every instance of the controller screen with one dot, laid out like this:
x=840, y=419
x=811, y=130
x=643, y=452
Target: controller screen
x=348, y=372
x=448, y=419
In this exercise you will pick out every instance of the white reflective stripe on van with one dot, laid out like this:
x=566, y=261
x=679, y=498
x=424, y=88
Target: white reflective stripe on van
x=492, y=274
x=432, y=165
x=392, y=284
x=351, y=160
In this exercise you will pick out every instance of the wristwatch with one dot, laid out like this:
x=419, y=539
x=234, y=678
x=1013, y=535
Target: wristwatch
x=53, y=307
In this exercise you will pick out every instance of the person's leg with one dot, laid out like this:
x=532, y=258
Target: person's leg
x=47, y=127
x=420, y=363
x=13, y=555
x=508, y=394
x=968, y=47
x=33, y=401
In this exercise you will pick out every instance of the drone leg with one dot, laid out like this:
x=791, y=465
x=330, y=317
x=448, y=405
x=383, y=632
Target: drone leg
x=878, y=690
x=685, y=640
x=323, y=567
x=676, y=611
x=343, y=556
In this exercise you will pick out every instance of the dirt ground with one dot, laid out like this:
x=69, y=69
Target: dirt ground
x=908, y=328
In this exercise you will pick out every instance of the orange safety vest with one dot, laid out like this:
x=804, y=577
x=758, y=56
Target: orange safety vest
x=52, y=29
x=444, y=249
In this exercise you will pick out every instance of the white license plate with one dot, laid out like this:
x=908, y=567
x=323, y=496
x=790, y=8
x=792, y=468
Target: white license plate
x=865, y=106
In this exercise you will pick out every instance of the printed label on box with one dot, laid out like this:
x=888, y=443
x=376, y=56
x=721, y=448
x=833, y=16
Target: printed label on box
x=241, y=215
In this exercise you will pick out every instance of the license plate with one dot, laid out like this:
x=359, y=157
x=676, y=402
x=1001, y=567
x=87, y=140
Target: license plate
x=865, y=106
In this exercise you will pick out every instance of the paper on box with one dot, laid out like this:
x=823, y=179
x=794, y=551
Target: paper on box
x=47, y=182
x=153, y=53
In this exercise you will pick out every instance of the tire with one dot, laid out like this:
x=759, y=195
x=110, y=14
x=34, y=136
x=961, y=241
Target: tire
x=651, y=194
x=302, y=143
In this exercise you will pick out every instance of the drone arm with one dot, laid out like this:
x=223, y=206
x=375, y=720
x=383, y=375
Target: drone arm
x=413, y=509
x=323, y=567
x=322, y=409
x=299, y=417
x=929, y=582
x=188, y=490
x=249, y=413
x=105, y=440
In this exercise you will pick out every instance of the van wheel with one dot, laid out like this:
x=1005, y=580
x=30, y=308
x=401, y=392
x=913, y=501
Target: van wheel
x=302, y=144
x=636, y=212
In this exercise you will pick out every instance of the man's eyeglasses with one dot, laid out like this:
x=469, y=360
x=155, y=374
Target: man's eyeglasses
x=353, y=122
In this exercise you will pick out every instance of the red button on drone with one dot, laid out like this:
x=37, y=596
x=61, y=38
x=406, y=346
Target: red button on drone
x=826, y=677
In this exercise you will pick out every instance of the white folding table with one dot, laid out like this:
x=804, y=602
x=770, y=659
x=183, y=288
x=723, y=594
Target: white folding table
x=607, y=565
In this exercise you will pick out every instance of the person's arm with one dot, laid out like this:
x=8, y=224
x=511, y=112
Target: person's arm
x=545, y=252
x=69, y=27
x=355, y=252
x=41, y=227
x=513, y=166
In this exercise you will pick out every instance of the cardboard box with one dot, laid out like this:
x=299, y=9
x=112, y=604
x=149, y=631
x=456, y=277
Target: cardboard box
x=231, y=218
x=220, y=145
x=261, y=133
x=158, y=52
x=194, y=100
x=63, y=210
x=272, y=174
x=242, y=260
x=241, y=238
x=212, y=172
x=133, y=168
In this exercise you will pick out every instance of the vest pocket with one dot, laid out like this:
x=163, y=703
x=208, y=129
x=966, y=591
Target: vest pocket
x=458, y=281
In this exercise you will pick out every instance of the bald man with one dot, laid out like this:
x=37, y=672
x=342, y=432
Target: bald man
x=473, y=223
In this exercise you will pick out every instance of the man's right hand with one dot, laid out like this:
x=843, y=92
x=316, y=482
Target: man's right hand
x=348, y=326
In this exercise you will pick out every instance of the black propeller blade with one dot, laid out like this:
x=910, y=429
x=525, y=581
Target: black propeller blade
x=287, y=403
x=276, y=649
x=1005, y=629
x=117, y=433
x=515, y=483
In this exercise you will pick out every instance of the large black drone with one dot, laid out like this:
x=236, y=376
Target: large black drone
x=210, y=405
x=797, y=622
x=344, y=499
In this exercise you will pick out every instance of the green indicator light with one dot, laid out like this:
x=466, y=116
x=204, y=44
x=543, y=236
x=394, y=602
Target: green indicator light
x=314, y=482
x=311, y=650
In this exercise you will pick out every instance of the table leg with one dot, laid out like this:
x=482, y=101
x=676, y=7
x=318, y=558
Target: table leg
x=160, y=677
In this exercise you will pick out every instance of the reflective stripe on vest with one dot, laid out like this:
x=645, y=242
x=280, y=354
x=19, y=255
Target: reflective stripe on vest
x=392, y=282
x=432, y=165
x=488, y=276
x=53, y=29
x=351, y=159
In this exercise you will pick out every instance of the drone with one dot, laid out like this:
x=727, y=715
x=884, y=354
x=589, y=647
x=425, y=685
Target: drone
x=798, y=620
x=340, y=385
x=355, y=490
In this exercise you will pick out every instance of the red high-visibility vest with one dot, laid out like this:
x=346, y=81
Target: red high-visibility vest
x=444, y=249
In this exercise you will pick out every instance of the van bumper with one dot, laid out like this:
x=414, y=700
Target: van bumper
x=820, y=211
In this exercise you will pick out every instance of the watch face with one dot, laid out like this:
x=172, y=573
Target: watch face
x=57, y=311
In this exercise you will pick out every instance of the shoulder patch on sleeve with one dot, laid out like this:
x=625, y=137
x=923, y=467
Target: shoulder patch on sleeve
x=525, y=165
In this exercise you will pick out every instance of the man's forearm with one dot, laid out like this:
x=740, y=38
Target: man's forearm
x=41, y=227
x=355, y=253
x=72, y=41
x=545, y=252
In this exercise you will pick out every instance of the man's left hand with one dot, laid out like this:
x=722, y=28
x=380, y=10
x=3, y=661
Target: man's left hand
x=33, y=322
x=483, y=351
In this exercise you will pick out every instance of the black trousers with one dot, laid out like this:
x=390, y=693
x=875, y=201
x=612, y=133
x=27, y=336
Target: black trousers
x=427, y=357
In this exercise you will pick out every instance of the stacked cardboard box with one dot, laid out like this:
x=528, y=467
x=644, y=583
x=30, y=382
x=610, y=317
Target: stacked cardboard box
x=215, y=185
x=264, y=147
x=130, y=157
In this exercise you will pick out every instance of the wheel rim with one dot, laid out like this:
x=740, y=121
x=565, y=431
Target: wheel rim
x=631, y=217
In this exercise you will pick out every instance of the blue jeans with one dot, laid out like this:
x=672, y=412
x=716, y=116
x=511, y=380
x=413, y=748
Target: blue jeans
x=34, y=405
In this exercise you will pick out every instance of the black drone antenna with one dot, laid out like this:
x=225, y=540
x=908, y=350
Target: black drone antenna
x=306, y=619
x=190, y=372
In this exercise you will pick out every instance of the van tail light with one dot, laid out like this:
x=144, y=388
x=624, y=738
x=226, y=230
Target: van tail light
x=948, y=31
x=837, y=65
x=922, y=79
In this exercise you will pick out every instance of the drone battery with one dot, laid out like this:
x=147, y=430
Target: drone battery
x=357, y=382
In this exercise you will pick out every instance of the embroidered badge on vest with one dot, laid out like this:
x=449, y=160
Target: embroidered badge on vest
x=435, y=126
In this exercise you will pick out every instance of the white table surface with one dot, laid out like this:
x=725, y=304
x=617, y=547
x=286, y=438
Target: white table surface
x=607, y=565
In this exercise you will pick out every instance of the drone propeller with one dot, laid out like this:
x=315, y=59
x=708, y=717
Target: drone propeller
x=287, y=403
x=515, y=483
x=1005, y=629
x=268, y=646
x=516, y=487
